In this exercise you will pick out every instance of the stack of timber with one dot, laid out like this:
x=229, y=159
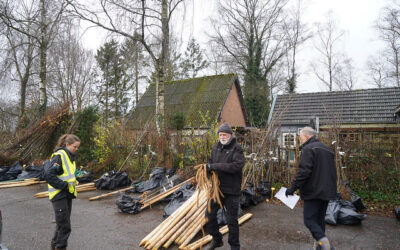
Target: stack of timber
x=79, y=189
x=183, y=225
x=20, y=183
x=223, y=230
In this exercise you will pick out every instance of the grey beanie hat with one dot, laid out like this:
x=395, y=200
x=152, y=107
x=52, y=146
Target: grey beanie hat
x=225, y=128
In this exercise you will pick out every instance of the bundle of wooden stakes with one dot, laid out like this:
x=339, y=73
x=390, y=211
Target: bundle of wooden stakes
x=20, y=183
x=183, y=225
x=79, y=189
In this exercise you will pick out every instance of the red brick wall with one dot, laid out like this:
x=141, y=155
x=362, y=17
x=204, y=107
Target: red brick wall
x=232, y=112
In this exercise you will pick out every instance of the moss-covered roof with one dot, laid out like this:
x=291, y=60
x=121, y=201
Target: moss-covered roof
x=191, y=97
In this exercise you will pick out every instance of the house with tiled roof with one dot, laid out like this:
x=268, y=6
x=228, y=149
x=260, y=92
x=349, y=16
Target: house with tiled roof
x=366, y=110
x=218, y=97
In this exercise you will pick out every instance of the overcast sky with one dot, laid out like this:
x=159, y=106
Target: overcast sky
x=356, y=17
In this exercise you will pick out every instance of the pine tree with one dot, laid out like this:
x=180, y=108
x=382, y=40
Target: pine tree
x=192, y=61
x=112, y=92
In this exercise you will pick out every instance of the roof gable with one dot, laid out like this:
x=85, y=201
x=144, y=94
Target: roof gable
x=193, y=98
x=365, y=106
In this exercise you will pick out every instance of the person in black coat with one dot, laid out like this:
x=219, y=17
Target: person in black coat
x=316, y=179
x=227, y=159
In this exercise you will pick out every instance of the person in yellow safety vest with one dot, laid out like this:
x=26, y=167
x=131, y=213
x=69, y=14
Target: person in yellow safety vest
x=60, y=176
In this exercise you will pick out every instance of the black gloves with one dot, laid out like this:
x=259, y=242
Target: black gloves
x=289, y=191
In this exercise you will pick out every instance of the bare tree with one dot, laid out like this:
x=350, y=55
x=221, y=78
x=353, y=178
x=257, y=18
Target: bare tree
x=46, y=16
x=345, y=77
x=21, y=47
x=73, y=69
x=328, y=37
x=297, y=33
x=250, y=34
x=149, y=19
x=388, y=26
x=50, y=15
x=376, y=67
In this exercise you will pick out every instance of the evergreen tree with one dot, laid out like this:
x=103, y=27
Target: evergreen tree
x=192, y=61
x=256, y=87
x=112, y=94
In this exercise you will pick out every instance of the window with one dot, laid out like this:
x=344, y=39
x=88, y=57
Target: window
x=350, y=137
x=289, y=139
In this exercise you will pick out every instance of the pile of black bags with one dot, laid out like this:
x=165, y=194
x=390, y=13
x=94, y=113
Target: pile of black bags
x=251, y=195
x=32, y=171
x=129, y=205
x=112, y=180
x=344, y=212
x=158, y=177
x=10, y=173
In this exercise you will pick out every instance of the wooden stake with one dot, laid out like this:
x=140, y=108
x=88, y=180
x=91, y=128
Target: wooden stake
x=175, y=218
x=21, y=184
x=156, y=198
x=222, y=230
x=183, y=224
x=109, y=194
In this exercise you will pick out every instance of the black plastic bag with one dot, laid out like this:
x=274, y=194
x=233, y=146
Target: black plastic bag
x=263, y=191
x=157, y=179
x=356, y=200
x=84, y=176
x=129, y=205
x=248, y=195
x=350, y=217
x=332, y=212
x=3, y=171
x=112, y=180
x=12, y=172
x=397, y=212
x=32, y=171
x=347, y=204
x=135, y=184
x=178, y=198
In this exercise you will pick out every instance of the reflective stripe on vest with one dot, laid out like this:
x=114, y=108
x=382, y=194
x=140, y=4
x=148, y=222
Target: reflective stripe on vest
x=68, y=174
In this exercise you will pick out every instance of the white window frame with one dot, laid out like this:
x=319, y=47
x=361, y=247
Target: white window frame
x=294, y=140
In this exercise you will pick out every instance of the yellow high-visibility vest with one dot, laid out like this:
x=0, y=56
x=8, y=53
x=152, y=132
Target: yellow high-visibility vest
x=68, y=174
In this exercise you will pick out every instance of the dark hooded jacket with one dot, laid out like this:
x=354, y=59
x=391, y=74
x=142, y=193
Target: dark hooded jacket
x=316, y=177
x=54, y=169
x=228, y=160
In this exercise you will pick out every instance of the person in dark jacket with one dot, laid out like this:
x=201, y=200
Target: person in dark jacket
x=60, y=176
x=316, y=179
x=227, y=160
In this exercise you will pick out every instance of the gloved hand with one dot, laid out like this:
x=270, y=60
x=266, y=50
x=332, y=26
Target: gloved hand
x=289, y=191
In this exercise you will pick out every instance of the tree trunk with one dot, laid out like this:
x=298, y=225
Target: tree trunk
x=137, y=74
x=160, y=105
x=43, y=60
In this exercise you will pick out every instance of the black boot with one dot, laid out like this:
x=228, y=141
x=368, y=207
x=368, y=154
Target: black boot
x=214, y=244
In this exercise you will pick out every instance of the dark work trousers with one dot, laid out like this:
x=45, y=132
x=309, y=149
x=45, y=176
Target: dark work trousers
x=231, y=203
x=62, y=210
x=314, y=217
